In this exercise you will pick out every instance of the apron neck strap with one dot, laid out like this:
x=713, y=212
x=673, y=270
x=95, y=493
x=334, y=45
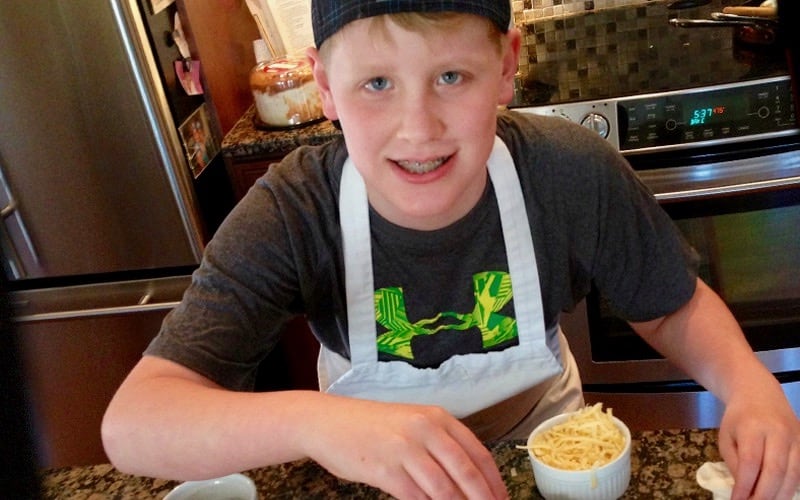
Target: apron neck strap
x=357, y=248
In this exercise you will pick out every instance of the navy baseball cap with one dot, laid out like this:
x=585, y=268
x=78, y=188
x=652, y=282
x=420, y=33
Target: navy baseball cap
x=329, y=16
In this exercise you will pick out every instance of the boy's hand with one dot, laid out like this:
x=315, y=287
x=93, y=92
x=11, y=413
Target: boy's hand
x=409, y=451
x=759, y=434
x=760, y=441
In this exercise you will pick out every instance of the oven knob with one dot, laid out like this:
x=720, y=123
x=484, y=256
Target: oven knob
x=598, y=123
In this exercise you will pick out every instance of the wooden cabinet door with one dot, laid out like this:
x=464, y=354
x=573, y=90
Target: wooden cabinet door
x=244, y=174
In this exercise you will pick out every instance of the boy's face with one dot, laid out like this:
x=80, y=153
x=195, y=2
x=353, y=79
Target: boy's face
x=418, y=112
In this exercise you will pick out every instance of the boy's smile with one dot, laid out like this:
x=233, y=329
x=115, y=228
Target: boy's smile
x=421, y=167
x=418, y=111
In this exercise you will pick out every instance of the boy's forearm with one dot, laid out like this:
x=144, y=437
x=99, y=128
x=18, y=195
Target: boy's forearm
x=180, y=429
x=167, y=421
x=704, y=339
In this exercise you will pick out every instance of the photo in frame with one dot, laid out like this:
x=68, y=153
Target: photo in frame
x=199, y=142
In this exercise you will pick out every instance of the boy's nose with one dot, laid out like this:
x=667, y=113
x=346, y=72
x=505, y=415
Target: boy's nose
x=420, y=120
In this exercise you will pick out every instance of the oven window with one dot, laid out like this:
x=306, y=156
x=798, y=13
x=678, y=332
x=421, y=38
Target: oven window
x=750, y=254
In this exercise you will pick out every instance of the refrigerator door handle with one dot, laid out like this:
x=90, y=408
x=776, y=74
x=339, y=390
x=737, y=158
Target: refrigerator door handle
x=99, y=300
x=96, y=312
x=9, y=208
x=10, y=214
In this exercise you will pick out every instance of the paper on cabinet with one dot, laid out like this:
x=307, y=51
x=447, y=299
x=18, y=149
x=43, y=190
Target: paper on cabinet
x=285, y=25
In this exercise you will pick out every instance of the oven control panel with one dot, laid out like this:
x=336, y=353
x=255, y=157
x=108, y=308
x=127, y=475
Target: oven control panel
x=687, y=118
x=706, y=115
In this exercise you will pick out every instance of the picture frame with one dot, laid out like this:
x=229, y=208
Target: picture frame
x=200, y=144
x=157, y=6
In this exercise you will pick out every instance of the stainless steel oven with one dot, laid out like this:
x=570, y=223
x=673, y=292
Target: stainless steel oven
x=709, y=124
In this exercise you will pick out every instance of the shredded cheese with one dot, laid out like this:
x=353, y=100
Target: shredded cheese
x=587, y=440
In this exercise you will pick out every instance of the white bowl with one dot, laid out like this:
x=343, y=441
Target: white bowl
x=233, y=487
x=603, y=483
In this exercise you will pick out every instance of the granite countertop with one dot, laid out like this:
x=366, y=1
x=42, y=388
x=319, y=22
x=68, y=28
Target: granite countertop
x=246, y=141
x=663, y=465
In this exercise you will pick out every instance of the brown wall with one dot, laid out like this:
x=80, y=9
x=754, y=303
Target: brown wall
x=220, y=34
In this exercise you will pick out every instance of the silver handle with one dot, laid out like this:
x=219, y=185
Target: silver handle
x=11, y=211
x=766, y=21
x=10, y=208
x=145, y=74
x=706, y=23
x=741, y=188
x=97, y=312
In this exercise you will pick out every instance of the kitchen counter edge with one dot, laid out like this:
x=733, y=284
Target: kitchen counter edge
x=663, y=465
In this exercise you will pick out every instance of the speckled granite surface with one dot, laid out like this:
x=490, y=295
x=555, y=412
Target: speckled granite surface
x=663, y=464
x=245, y=141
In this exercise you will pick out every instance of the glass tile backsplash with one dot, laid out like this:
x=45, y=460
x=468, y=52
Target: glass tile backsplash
x=632, y=49
x=530, y=10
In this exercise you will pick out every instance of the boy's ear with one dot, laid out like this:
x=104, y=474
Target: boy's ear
x=510, y=65
x=321, y=77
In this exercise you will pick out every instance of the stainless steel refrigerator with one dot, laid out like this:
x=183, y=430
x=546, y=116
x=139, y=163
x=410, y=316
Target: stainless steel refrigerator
x=102, y=219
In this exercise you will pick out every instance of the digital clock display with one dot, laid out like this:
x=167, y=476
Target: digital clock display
x=717, y=110
x=706, y=115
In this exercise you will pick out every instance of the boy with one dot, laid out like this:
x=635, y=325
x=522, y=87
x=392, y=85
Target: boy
x=432, y=250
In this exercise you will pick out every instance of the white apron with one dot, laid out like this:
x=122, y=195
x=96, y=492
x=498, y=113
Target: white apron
x=465, y=383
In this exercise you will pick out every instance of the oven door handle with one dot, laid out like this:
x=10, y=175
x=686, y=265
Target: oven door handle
x=741, y=176
x=726, y=190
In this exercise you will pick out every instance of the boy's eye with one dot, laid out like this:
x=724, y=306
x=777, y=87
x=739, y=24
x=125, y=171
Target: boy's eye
x=450, y=77
x=378, y=83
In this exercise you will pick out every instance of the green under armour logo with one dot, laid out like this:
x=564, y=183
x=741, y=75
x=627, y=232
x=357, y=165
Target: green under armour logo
x=492, y=291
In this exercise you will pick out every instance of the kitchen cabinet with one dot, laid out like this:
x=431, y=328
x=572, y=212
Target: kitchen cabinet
x=293, y=362
x=249, y=150
x=243, y=174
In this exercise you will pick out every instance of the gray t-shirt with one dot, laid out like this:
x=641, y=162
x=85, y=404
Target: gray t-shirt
x=279, y=254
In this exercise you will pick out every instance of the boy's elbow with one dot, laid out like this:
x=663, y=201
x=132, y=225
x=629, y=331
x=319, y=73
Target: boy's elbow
x=110, y=431
x=116, y=433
